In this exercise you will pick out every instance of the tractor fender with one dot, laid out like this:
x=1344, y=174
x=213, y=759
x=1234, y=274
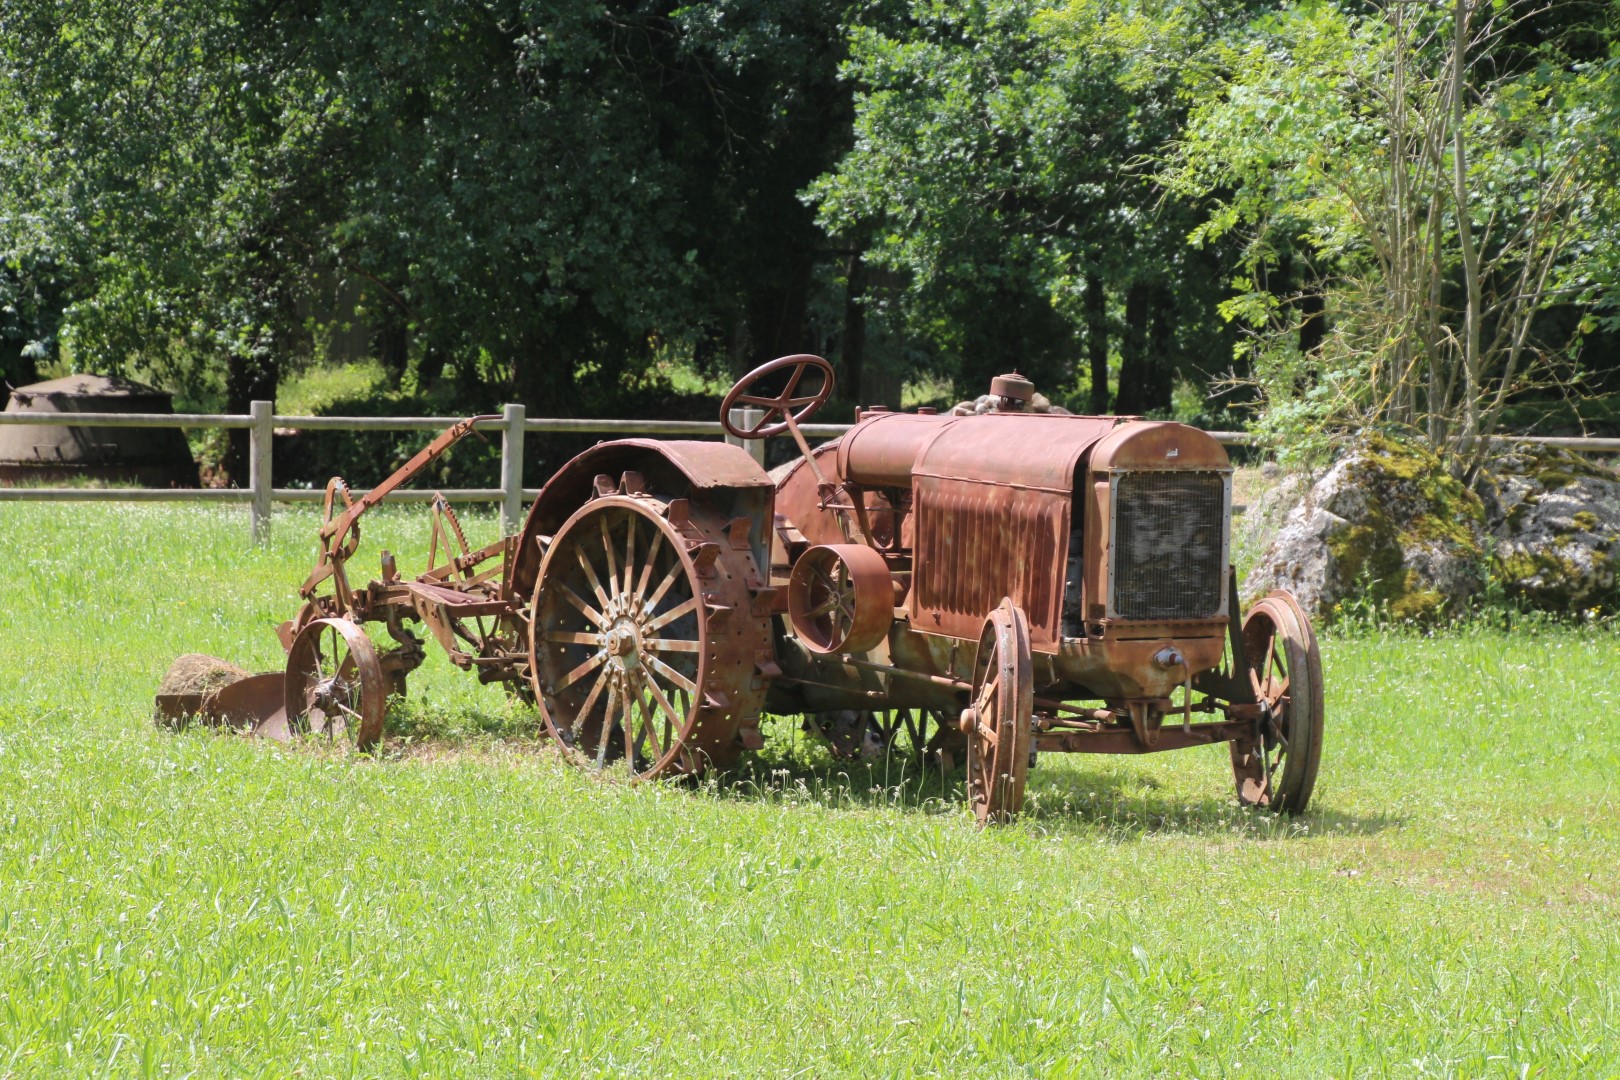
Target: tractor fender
x=717, y=473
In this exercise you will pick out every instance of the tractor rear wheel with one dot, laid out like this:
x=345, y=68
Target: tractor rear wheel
x=643, y=644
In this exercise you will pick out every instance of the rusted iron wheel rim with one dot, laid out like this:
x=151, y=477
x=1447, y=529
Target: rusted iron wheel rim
x=626, y=661
x=335, y=684
x=997, y=723
x=1277, y=767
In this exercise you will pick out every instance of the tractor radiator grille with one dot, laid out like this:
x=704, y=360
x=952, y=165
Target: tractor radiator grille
x=1169, y=545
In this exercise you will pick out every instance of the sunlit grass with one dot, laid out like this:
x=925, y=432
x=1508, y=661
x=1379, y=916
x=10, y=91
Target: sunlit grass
x=467, y=905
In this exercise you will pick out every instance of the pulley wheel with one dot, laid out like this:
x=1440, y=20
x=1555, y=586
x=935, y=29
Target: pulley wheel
x=840, y=598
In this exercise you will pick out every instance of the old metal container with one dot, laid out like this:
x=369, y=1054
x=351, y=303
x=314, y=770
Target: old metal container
x=40, y=453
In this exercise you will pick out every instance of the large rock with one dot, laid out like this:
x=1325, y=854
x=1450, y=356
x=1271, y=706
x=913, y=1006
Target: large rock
x=1385, y=527
x=1554, y=519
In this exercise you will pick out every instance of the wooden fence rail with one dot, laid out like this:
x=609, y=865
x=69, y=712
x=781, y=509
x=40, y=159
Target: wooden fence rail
x=514, y=423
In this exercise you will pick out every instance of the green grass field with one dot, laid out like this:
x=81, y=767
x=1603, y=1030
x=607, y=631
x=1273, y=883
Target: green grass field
x=466, y=905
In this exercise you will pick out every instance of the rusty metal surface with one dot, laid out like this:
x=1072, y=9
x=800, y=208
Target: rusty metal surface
x=955, y=569
x=1276, y=765
x=673, y=468
x=784, y=406
x=335, y=684
x=840, y=598
x=997, y=721
x=992, y=498
x=1024, y=451
x=647, y=648
x=882, y=449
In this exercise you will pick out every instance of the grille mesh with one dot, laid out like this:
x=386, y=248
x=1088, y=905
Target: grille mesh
x=1168, y=532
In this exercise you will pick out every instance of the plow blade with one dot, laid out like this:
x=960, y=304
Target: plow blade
x=204, y=690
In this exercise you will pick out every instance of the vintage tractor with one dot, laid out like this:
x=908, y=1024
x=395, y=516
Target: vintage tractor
x=997, y=585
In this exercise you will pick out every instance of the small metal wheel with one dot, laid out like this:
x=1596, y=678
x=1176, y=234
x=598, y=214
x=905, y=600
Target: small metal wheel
x=775, y=388
x=1277, y=768
x=642, y=650
x=998, y=722
x=335, y=684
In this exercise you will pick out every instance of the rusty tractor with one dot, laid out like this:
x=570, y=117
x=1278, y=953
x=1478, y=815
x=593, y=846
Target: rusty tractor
x=995, y=585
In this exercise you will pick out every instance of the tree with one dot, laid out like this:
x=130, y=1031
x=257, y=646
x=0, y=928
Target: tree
x=1433, y=180
x=993, y=170
x=532, y=199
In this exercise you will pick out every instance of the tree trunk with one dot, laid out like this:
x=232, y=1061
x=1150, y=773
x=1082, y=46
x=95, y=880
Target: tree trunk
x=1097, y=342
x=1160, y=369
x=1133, y=353
x=249, y=377
x=1312, y=321
x=392, y=344
x=854, y=345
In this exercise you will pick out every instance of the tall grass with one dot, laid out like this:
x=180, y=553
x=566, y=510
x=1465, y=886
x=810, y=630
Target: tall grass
x=466, y=905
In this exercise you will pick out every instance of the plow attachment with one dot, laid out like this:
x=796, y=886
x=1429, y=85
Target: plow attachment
x=206, y=690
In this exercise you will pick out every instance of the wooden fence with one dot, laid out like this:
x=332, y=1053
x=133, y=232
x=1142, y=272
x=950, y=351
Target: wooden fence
x=514, y=424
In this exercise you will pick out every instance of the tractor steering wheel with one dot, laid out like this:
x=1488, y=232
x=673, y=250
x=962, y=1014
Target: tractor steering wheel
x=782, y=406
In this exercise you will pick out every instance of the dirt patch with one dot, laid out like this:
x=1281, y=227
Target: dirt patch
x=195, y=673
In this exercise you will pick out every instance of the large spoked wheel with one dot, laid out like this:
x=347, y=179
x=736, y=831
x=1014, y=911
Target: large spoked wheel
x=777, y=388
x=997, y=723
x=335, y=684
x=1277, y=767
x=629, y=662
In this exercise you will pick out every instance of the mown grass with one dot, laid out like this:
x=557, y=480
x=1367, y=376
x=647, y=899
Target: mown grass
x=466, y=905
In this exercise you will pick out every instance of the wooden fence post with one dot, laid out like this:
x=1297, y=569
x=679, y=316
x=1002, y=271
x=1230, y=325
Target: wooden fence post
x=259, y=482
x=745, y=419
x=512, y=469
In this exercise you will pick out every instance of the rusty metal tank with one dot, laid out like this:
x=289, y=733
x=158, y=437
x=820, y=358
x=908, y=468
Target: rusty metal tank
x=42, y=453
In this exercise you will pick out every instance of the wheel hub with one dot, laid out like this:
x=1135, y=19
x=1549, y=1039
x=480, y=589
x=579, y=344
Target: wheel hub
x=622, y=640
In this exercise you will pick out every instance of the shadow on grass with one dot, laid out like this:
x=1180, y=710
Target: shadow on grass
x=1122, y=805
x=1107, y=797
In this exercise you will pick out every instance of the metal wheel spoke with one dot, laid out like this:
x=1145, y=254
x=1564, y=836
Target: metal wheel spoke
x=629, y=557
x=664, y=586
x=652, y=558
x=674, y=645
x=590, y=575
x=590, y=701
x=574, y=637
x=670, y=674
x=672, y=614
x=580, y=672
x=627, y=722
x=607, y=725
x=649, y=720
x=823, y=608
x=584, y=609
x=612, y=558
x=793, y=381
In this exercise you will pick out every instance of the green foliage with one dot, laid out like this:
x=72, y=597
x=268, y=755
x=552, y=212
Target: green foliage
x=994, y=170
x=1432, y=173
x=527, y=193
